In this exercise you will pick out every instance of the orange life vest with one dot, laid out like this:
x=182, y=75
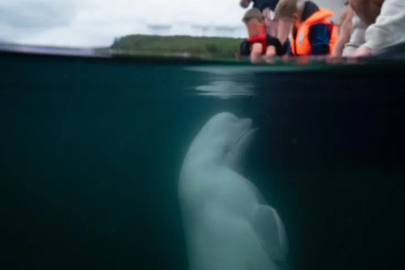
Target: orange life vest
x=300, y=44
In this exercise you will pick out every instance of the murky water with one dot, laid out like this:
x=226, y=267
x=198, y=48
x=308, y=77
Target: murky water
x=91, y=150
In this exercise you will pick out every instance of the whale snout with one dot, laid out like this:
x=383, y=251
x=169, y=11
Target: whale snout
x=253, y=123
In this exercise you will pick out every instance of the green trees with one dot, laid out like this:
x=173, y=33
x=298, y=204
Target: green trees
x=172, y=45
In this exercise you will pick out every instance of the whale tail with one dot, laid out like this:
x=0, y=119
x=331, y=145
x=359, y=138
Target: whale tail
x=271, y=232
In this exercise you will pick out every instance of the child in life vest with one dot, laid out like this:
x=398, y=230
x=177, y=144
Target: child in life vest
x=258, y=42
x=312, y=33
x=267, y=7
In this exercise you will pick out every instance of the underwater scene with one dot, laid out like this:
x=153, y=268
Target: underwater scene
x=167, y=163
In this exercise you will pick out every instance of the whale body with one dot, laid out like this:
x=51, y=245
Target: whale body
x=228, y=224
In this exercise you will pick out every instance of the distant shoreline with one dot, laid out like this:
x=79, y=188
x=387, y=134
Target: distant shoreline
x=177, y=45
x=148, y=45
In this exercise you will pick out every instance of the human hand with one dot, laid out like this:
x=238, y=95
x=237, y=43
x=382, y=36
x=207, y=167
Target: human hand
x=336, y=52
x=333, y=59
x=286, y=57
x=302, y=60
x=244, y=3
x=362, y=51
x=270, y=51
x=255, y=59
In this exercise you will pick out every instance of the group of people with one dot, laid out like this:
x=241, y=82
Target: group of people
x=302, y=28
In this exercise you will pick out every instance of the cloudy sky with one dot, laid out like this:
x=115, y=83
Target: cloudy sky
x=98, y=22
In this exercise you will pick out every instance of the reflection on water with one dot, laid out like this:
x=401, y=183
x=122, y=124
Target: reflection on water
x=225, y=83
x=229, y=70
x=226, y=89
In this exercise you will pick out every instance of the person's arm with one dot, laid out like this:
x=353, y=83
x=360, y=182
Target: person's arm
x=256, y=51
x=389, y=27
x=270, y=51
x=266, y=13
x=319, y=39
x=345, y=29
x=284, y=28
x=356, y=36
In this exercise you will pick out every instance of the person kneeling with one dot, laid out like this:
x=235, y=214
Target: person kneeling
x=312, y=32
x=259, y=43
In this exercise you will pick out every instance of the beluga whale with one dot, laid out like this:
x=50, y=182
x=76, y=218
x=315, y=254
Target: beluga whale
x=228, y=225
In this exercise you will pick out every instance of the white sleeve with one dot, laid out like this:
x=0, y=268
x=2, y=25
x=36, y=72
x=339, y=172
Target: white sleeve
x=356, y=37
x=389, y=27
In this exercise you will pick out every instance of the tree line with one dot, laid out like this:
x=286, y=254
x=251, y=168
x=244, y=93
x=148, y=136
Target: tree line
x=177, y=45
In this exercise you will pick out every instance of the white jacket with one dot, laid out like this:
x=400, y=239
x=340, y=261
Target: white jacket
x=388, y=29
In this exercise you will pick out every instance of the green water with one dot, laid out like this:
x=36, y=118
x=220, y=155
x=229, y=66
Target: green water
x=91, y=149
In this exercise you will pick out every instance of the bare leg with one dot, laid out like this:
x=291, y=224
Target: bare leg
x=283, y=30
x=272, y=27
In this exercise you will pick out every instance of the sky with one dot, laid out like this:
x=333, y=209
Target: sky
x=95, y=23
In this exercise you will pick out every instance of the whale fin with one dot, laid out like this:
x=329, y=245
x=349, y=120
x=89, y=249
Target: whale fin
x=271, y=232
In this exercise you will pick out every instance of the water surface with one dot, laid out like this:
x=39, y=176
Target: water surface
x=91, y=148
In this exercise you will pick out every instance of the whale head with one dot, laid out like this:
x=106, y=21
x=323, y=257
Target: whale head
x=223, y=140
